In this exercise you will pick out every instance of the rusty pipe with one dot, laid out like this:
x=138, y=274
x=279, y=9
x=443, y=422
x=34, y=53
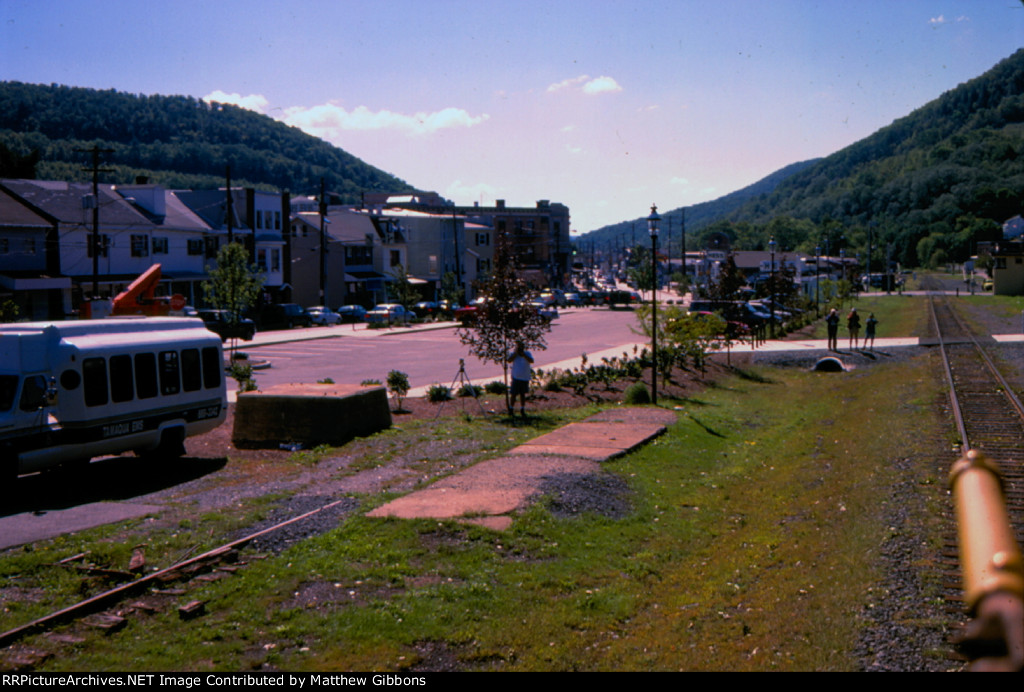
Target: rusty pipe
x=992, y=566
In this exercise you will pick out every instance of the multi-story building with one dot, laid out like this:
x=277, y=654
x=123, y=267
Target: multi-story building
x=539, y=235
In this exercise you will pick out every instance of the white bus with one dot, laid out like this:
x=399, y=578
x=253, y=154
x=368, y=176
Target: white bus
x=71, y=391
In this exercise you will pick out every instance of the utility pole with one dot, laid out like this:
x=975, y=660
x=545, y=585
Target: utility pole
x=229, y=214
x=323, y=246
x=95, y=242
x=682, y=238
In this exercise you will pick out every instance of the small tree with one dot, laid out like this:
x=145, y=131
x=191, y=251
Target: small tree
x=639, y=268
x=505, y=317
x=398, y=385
x=402, y=289
x=234, y=284
x=8, y=311
x=451, y=290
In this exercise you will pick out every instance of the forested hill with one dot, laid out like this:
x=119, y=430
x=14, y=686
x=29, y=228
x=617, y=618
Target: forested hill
x=697, y=216
x=926, y=188
x=177, y=141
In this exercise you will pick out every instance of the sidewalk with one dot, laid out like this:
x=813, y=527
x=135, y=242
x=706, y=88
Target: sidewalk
x=490, y=492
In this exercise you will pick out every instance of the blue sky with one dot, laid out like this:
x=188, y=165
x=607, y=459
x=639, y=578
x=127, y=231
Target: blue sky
x=607, y=106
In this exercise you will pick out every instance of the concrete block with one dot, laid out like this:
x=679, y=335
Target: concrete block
x=309, y=414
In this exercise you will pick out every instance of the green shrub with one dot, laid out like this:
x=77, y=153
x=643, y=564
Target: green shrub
x=469, y=390
x=496, y=387
x=637, y=393
x=437, y=393
x=241, y=371
x=369, y=383
x=398, y=385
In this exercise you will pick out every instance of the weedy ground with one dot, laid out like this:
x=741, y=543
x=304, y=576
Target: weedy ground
x=751, y=540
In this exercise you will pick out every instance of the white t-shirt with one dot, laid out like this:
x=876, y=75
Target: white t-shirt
x=521, y=366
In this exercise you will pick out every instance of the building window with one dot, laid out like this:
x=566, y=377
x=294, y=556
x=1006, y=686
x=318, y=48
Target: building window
x=261, y=259
x=210, y=246
x=275, y=260
x=103, y=241
x=140, y=246
x=160, y=246
x=5, y=246
x=396, y=258
x=195, y=246
x=483, y=239
x=277, y=221
x=30, y=246
x=259, y=219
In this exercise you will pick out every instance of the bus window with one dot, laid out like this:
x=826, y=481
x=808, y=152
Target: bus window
x=145, y=375
x=121, y=378
x=191, y=373
x=94, y=374
x=170, y=380
x=212, y=365
x=8, y=388
x=33, y=393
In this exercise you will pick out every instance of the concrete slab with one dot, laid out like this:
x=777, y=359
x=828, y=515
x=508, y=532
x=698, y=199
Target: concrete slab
x=600, y=440
x=489, y=489
x=29, y=527
x=489, y=492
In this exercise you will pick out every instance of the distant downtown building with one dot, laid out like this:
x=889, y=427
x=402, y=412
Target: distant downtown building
x=52, y=259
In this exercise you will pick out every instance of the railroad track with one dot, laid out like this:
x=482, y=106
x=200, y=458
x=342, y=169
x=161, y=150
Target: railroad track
x=108, y=607
x=989, y=417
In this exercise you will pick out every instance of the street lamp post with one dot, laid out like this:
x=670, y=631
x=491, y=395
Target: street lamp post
x=652, y=227
x=817, y=281
x=771, y=246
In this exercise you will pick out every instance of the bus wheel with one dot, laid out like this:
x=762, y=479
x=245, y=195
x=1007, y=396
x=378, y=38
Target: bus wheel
x=172, y=444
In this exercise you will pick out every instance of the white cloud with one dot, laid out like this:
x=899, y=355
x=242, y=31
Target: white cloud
x=574, y=150
x=566, y=83
x=462, y=193
x=941, y=19
x=601, y=85
x=253, y=102
x=328, y=120
x=676, y=180
x=587, y=85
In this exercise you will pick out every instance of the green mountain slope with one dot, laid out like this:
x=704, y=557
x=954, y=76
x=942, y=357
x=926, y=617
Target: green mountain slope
x=177, y=141
x=924, y=190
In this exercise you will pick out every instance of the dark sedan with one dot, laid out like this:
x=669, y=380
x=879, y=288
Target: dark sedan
x=220, y=323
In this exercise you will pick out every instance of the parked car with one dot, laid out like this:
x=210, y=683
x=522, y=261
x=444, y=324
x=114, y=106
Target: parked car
x=219, y=322
x=733, y=329
x=548, y=312
x=426, y=308
x=352, y=313
x=323, y=316
x=467, y=313
x=284, y=316
x=390, y=313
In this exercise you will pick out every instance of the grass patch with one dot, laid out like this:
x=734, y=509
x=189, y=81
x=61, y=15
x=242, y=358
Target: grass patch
x=898, y=316
x=752, y=548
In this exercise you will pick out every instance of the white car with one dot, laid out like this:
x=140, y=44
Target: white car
x=390, y=313
x=323, y=316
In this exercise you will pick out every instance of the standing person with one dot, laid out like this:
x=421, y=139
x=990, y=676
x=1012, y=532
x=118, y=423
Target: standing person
x=832, y=321
x=869, y=331
x=853, y=324
x=521, y=360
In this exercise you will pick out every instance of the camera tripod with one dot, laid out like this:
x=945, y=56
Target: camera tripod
x=463, y=381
